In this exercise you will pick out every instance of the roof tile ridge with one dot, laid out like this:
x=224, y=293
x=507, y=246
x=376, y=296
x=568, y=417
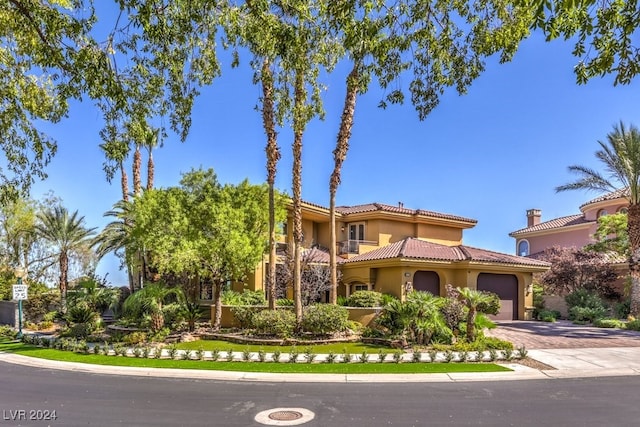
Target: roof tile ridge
x=403, y=246
x=465, y=253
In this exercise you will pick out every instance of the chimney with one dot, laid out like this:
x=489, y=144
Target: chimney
x=400, y=205
x=533, y=217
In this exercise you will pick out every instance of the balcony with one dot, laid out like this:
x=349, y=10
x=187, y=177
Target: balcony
x=353, y=246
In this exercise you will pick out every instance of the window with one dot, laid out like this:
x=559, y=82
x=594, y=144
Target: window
x=360, y=288
x=602, y=212
x=356, y=231
x=523, y=248
x=623, y=210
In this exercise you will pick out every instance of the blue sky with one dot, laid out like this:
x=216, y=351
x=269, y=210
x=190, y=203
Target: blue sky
x=489, y=155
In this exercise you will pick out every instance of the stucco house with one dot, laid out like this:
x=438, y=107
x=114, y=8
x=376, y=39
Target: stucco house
x=568, y=231
x=393, y=249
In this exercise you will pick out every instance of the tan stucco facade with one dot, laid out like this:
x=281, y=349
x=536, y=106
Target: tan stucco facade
x=388, y=225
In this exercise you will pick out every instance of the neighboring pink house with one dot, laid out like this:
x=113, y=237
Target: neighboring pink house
x=567, y=231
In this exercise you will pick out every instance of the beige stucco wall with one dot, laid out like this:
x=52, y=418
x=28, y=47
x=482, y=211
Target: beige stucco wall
x=439, y=234
x=391, y=232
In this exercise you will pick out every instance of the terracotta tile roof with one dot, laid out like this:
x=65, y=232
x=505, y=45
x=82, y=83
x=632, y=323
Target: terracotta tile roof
x=556, y=223
x=623, y=192
x=428, y=251
x=318, y=255
x=372, y=207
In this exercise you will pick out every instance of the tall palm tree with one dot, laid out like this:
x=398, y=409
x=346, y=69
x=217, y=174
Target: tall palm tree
x=117, y=237
x=339, y=156
x=151, y=140
x=273, y=155
x=67, y=233
x=116, y=153
x=620, y=154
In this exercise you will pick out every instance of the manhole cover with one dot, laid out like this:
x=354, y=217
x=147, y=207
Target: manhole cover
x=285, y=416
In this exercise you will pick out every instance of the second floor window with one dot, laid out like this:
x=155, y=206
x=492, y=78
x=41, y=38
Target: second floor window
x=356, y=231
x=523, y=248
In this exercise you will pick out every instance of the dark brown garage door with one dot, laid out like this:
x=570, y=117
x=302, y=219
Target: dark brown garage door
x=506, y=287
x=427, y=281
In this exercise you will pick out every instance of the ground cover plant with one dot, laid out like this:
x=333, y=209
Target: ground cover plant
x=31, y=350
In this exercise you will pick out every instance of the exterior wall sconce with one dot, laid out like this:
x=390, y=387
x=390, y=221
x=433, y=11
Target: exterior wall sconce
x=342, y=228
x=529, y=288
x=407, y=274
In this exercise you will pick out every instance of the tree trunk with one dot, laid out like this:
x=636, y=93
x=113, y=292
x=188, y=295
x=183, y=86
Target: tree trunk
x=137, y=165
x=124, y=183
x=633, y=229
x=298, y=129
x=64, y=268
x=217, y=299
x=471, y=324
x=339, y=155
x=273, y=155
x=150, y=170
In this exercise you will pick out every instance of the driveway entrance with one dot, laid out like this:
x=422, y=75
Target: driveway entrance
x=562, y=334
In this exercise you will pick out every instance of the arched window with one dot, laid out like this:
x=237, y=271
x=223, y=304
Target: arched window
x=623, y=210
x=523, y=248
x=602, y=212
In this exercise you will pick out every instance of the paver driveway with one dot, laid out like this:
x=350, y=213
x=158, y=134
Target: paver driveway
x=562, y=334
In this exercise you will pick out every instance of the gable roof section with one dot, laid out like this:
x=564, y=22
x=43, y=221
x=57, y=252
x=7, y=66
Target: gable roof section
x=381, y=207
x=623, y=192
x=412, y=248
x=553, y=224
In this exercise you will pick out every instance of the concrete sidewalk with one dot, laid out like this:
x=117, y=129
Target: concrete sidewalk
x=565, y=363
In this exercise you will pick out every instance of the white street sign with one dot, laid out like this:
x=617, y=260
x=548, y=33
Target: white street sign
x=19, y=292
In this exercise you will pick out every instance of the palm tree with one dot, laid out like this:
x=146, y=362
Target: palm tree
x=339, y=156
x=116, y=236
x=476, y=302
x=149, y=301
x=116, y=153
x=151, y=139
x=620, y=154
x=67, y=233
x=273, y=155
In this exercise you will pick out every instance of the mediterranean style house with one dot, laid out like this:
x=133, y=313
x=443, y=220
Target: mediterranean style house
x=393, y=250
x=567, y=231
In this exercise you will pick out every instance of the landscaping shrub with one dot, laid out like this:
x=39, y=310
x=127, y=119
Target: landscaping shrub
x=622, y=309
x=280, y=323
x=234, y=298
x=39, y=304
x=633, y=325
x=325, y=319
x=135, y=338
x=80, y=330
x=548, y=315
x=8, y=332
x=608, y=323
x=172, y=314
x=284, y=302
x=244, y=315
x=364, y=299
x=584, y=306
x=586, y=314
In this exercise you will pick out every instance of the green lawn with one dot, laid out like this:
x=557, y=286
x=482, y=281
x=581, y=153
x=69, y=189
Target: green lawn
x=349, y=347
x=300, y=367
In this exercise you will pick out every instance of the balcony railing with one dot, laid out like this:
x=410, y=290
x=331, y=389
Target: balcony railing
x=353, y=246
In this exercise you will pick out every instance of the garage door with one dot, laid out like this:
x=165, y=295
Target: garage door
x=506, y=287
x=427, y=281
